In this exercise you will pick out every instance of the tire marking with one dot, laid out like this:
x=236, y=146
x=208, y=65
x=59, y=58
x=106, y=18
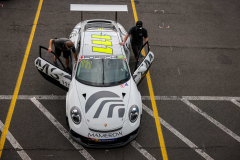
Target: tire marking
x=15, y=144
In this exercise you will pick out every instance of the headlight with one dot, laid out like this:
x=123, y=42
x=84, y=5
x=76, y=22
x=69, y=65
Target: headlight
x=75, y=115
x=133, y=113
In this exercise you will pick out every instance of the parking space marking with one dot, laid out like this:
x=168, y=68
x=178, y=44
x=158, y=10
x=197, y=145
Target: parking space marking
x=142, y=151
x=61, y=129
x=179, y=135
x=19, y=80
x=185, y=99
x=25, y=97
x=235, y=102
x=225, y=129
x=76, y=145
x=190, y=98
x=15, y=144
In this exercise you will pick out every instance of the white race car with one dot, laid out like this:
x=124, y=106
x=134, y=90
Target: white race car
x=103, y=104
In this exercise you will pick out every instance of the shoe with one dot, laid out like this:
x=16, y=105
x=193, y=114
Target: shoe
x=69, y=70
x=55, y=64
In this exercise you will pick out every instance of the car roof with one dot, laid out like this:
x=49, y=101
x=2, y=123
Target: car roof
x=100, y=39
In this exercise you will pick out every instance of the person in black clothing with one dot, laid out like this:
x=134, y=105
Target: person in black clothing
x=137, y=33
x=62, y=45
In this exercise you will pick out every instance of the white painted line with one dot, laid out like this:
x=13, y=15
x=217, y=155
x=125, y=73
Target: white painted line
x=55, y=97
x=15, y=144
x=210, y=98
x=162, y=98
x=235, y=102
x=225, y=129
x=26, y=97
x=142, y=151
x=206, y=98
x=76, y=145
x=179, y=135
x=61, y=129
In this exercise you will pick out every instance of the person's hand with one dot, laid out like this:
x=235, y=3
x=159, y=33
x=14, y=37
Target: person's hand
x=122, y=43
x=49, y=50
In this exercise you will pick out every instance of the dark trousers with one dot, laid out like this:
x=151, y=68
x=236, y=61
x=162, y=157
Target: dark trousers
x=136, y=49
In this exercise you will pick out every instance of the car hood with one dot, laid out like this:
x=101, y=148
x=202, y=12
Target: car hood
x=104, y=108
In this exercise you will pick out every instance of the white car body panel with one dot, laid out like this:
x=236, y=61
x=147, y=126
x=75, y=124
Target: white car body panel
x=104, y=111
x=75, y=94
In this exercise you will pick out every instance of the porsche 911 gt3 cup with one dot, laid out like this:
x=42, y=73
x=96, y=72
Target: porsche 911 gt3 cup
x=103, y=104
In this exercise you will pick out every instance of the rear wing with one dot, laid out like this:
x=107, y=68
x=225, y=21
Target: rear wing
x=98, y=7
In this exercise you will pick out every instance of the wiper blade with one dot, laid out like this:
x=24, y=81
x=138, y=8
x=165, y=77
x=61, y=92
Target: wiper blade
x=122, y=81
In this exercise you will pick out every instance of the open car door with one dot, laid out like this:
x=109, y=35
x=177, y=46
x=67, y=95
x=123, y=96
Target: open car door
x=54, y=73
x=143, y=64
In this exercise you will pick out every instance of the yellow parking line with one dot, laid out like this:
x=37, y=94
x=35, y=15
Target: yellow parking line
x=19, y=81
x=155, y=111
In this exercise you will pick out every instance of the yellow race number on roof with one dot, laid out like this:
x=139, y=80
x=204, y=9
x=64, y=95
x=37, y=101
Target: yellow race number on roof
x=107, y=50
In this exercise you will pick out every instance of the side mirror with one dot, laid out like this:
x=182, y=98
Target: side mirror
x=57, y=71
x=142, y=69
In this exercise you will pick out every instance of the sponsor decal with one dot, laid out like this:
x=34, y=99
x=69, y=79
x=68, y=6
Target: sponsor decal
x=120, y=56
x=88, y=64
x=122, y=86
x=105, y=124
x=126, y=84
x=105, y=135
x=81, y=58
x=103, y=140
x=106, y=140
x=48, y=69
x=45, y=68
x=105, y=94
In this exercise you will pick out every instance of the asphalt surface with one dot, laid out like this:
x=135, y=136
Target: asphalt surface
x=196, y=46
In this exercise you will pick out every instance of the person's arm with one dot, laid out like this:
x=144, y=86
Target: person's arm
x=50, y=46
x=124, y=40
x=74, y=53
x=146, y=39
x=75, y=56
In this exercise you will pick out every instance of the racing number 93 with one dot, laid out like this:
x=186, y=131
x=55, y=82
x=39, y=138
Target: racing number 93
x=107, y=43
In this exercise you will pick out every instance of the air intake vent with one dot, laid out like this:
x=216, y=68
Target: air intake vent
x=123, y=94
x=84, y=95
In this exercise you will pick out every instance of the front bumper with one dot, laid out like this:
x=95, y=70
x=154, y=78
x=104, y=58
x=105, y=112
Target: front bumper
x=87, y=142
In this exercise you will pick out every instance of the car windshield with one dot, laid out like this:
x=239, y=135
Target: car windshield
x=102, y=72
